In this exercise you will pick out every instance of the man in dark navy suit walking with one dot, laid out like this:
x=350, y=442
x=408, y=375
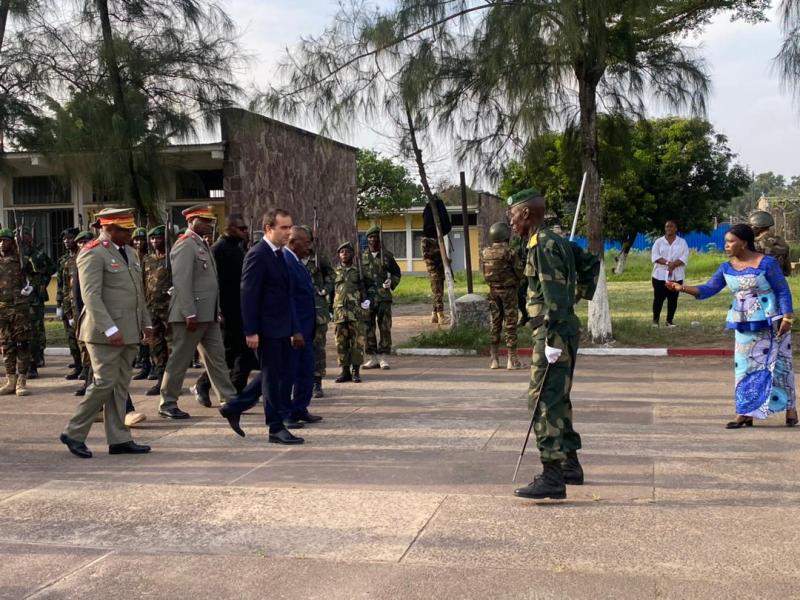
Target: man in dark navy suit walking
x=271, y=326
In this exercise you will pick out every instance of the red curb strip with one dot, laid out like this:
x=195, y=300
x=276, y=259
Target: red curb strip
x=676, y=352
x=699, y=352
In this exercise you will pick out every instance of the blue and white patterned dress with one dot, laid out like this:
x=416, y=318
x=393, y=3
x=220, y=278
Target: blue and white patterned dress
x=763, y=361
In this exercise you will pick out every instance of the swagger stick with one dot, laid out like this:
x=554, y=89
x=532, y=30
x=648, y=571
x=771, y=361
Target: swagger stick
x=530, y=427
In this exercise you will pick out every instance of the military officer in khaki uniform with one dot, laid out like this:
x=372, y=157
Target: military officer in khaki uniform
x=194, y=314
x=111, y=324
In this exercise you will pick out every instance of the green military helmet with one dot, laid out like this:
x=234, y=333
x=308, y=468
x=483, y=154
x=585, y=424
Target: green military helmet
x=157, y=231
x=761, y=219
x=6, y=233
x=84, y=236
x=499, y=232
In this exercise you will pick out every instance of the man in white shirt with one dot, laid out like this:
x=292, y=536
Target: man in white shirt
x=670, y=255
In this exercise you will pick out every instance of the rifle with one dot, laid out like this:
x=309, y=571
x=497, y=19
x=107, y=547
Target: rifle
x=250, y=226
x=27, y=289
x=315, y=225
x=167, y=233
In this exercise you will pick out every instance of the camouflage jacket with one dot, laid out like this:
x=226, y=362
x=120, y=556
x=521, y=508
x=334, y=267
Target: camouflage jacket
x=349, y=294
x=65, y=276
x=42, y=269
x=502, y=267
x=323, y=276
x=551, y=274
x=12, y=280
x=380, y=268
x=774, y=245
x=157, y=282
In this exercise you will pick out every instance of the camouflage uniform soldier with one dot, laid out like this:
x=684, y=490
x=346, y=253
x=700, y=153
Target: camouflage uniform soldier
x=143, y=363
x=552, y=281
x=352, y=298
x=83, y=238
x=323, y=277
x=381, y=268
x=435, y=266
x=67, y=266
x=503, y=271
x=43, y=268
x=157, y=282
x=768, y=242
x=15, y=316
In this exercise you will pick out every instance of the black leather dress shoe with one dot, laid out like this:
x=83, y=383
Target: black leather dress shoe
x=284, y=436
x=173, y=412
x=79, y=449
x=128, y=448
x=291, y=423
x=79, y=392
x=201, y=395
x=233, y=420
x=154, y=391
x=307, y=417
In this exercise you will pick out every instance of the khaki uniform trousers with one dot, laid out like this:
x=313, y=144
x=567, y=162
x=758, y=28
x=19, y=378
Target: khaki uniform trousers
x=112, y=367
x=207, y=338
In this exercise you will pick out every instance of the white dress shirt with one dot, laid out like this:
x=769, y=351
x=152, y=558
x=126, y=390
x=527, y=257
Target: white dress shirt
x=677, y=250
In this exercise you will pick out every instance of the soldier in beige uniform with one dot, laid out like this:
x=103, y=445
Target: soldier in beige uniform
x=111, y=324
x=194, y=314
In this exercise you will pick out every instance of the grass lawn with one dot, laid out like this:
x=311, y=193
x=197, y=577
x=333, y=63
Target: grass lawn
x=631, y=296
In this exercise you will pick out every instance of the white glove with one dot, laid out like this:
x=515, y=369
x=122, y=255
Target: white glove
x=71, y=322
x=59, y=313
x=365, y=304
x=552, y=354
x=322, y=293
x=27, y=290
x=387, y=284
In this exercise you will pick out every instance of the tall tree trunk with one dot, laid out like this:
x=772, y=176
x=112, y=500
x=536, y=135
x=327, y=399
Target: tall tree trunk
x=599, y=321
x=423, y=176
x=622, y=259
x=120, y=105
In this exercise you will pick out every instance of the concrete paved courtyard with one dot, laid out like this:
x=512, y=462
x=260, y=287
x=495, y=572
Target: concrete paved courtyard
x=404, y=491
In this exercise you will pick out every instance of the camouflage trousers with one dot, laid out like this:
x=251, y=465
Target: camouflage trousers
x=38, y=336
x=379, y=320
x=435, y=267
x=350, y=343
x=72, y=341
x=15, y=334
x=320, y=335
x=159, y=350
x=552, y=407
x=503, y=310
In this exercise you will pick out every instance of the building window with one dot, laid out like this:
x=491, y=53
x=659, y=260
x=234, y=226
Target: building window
x=416, y=247
x=395, y=242
x=34, y=191
x=199, y=185
x=457, y=219
x=46, y=227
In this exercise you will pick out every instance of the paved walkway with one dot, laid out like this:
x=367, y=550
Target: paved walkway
x=404, y=492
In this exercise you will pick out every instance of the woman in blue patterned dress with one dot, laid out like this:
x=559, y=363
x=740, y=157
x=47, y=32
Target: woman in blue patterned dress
x=761, y=316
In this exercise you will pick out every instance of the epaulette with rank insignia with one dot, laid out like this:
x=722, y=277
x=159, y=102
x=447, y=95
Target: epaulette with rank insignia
x=533, y=241
x=92, y=244
x=184, y=236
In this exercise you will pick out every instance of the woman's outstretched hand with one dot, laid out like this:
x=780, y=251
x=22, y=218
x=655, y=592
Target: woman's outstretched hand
x=673, y=286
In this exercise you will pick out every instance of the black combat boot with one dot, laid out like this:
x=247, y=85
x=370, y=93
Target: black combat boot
x=356, y=374
x=84, y=374
x=73, y=374
x=318, y=393
x=156, y=389
x=144, y=371
x=33, y=371
x=550, y=484
x=344, y=376
x=572, y=469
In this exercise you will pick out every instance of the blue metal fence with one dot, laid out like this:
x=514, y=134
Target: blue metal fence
x=702, y=242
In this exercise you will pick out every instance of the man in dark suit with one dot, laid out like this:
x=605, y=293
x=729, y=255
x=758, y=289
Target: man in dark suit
x=270, y=326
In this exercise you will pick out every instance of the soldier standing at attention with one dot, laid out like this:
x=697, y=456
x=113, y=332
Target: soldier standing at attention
x=323, y=277
x=552, y=282
x=66, y=272
x=111, y=323
x=380, y=267
x=157, y=282
x=503, y=271
x=432, y=254
x=768, y=242
x=352, y=299
x=15, y=316
x=194, y=314
x=143, y=363
x=43, y=269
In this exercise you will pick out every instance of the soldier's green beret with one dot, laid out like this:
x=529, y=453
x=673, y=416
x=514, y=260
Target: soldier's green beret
x=139, y=232
x=6, y=233
x=156, y=231
x=524, y=196
x=345, y=245
x=373, y=230
x=70, y=232
x=84, y=236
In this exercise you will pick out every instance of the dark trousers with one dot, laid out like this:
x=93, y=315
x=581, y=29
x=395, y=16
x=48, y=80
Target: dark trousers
x=276, y=384
x=661, y=293
x=302, y=374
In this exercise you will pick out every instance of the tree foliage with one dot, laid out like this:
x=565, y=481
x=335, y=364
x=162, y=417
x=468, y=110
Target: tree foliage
x=384, y=186
x=654, y=170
